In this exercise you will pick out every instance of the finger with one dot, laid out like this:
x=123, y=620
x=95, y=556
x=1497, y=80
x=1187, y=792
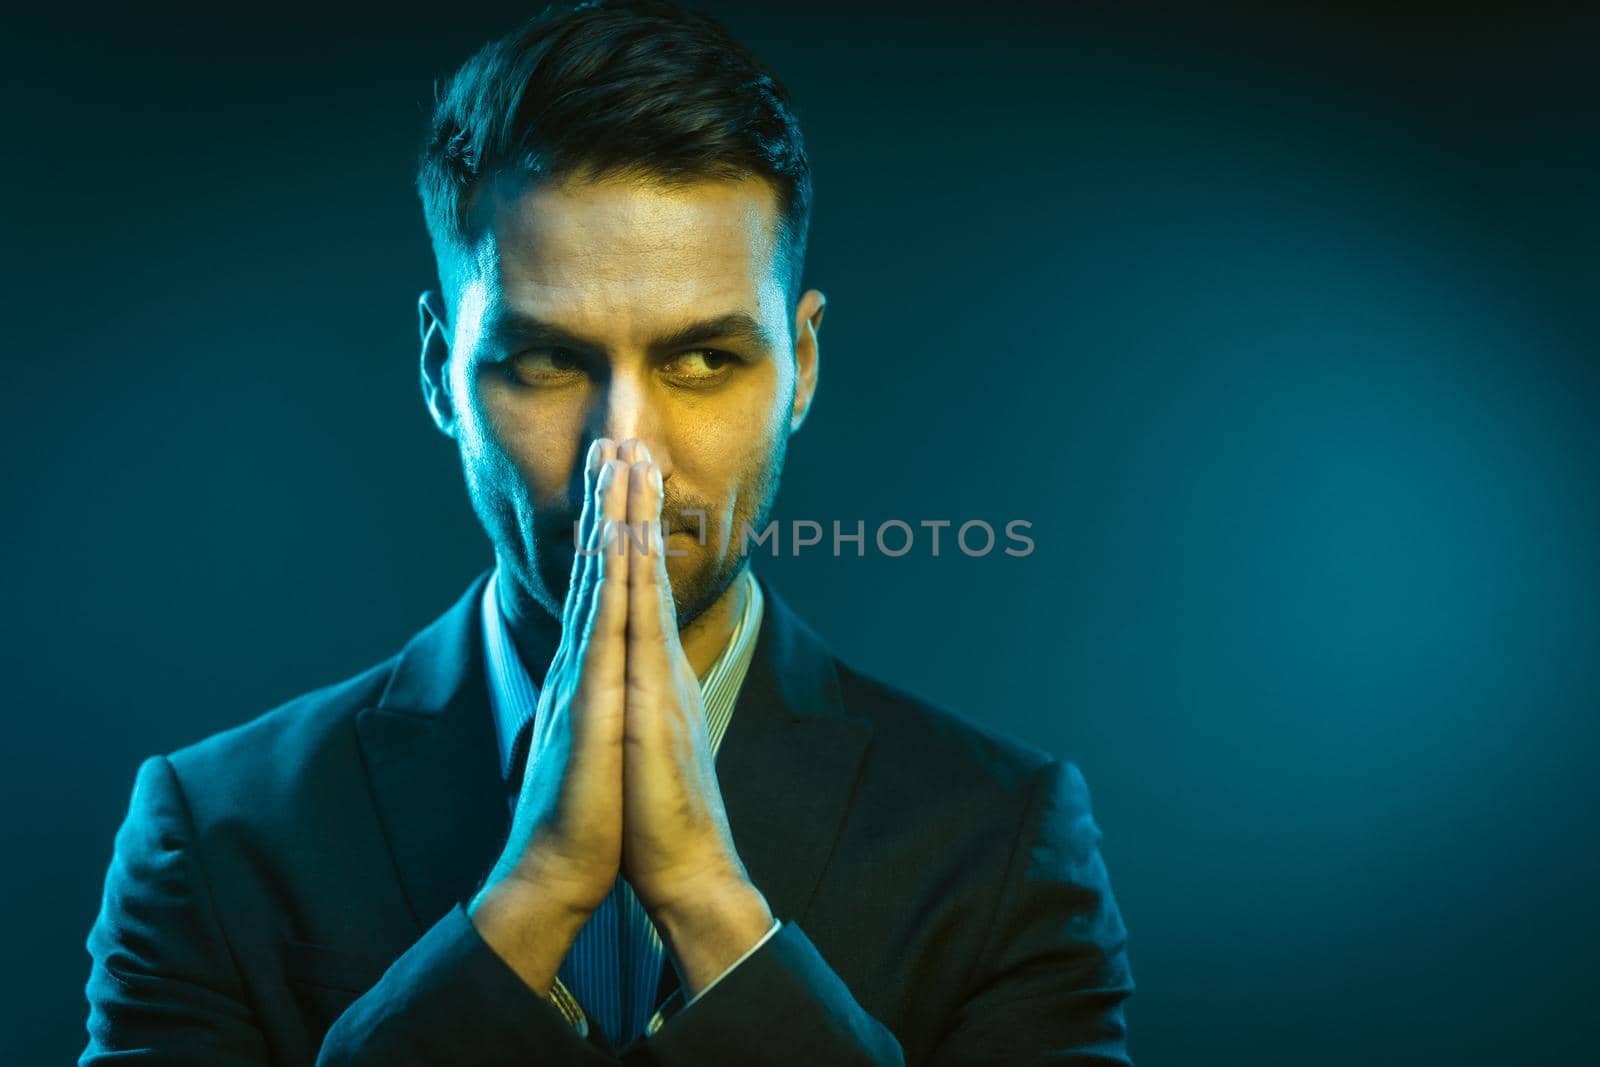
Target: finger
x=584, y=565
x=636, y=541
x=604, y=641
x=649, y=592
x=580, y=534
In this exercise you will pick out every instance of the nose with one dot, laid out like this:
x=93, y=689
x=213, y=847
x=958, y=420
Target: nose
x=625, y=412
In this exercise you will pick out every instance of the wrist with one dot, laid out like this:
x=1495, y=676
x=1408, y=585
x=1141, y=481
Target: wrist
x=708, y=928
x=527, y=927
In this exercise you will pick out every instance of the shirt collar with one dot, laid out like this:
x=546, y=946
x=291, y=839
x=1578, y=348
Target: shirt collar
x=514, y=696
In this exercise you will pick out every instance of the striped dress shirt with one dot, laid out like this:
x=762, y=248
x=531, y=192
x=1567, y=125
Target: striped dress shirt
x=613, y=968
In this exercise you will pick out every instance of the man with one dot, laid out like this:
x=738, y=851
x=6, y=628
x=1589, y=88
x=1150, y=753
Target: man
x=618, y=803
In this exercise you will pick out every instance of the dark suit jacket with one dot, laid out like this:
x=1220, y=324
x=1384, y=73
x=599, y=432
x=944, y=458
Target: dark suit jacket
x=291, y=891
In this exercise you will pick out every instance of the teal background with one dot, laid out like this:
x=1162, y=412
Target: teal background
x=1278, y=324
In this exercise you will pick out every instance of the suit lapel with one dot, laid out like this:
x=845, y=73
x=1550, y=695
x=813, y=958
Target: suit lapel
x=789, y=761
x=433, y=762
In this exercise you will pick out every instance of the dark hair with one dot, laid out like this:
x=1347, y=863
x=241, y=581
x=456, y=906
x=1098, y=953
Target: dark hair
x=631, y=87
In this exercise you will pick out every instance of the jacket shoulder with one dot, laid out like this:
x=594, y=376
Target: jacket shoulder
x=273, y=755
x=920, y=741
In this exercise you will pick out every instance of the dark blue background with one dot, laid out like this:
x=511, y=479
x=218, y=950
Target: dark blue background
x=1280, y=328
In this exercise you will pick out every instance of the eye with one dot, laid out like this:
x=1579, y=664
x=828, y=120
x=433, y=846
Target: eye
x=544, y=367
x=701, y=366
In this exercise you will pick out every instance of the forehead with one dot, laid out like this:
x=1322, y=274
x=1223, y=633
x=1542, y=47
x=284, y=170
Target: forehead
x=622, y=257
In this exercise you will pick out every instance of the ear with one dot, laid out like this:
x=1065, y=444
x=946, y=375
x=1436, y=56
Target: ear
x=435, y=334
x=807, y=324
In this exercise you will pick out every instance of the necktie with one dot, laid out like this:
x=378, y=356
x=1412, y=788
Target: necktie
x=614, y=965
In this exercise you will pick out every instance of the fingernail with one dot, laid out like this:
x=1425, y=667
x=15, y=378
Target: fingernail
x=655, y=474
x=606, y=473
x=644, y=450
x=592, y=460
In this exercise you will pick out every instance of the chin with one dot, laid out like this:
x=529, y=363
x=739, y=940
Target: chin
x=699, y=578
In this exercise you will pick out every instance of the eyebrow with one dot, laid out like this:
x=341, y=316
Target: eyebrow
x=513, y=329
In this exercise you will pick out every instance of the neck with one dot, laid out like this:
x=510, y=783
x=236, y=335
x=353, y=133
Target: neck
x=704, y=638
x=536, y=633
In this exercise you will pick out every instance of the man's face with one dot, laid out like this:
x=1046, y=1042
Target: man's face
x=623, y=308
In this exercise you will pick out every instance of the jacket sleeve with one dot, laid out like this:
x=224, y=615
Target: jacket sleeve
x=1047, y=988
x=449, y=1000
x=164, y=987
x=1049, y=985
x=783, y=1006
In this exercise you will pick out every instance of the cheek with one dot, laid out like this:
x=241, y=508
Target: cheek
x=719, y=448
x=765, y=418
x=531, y=441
